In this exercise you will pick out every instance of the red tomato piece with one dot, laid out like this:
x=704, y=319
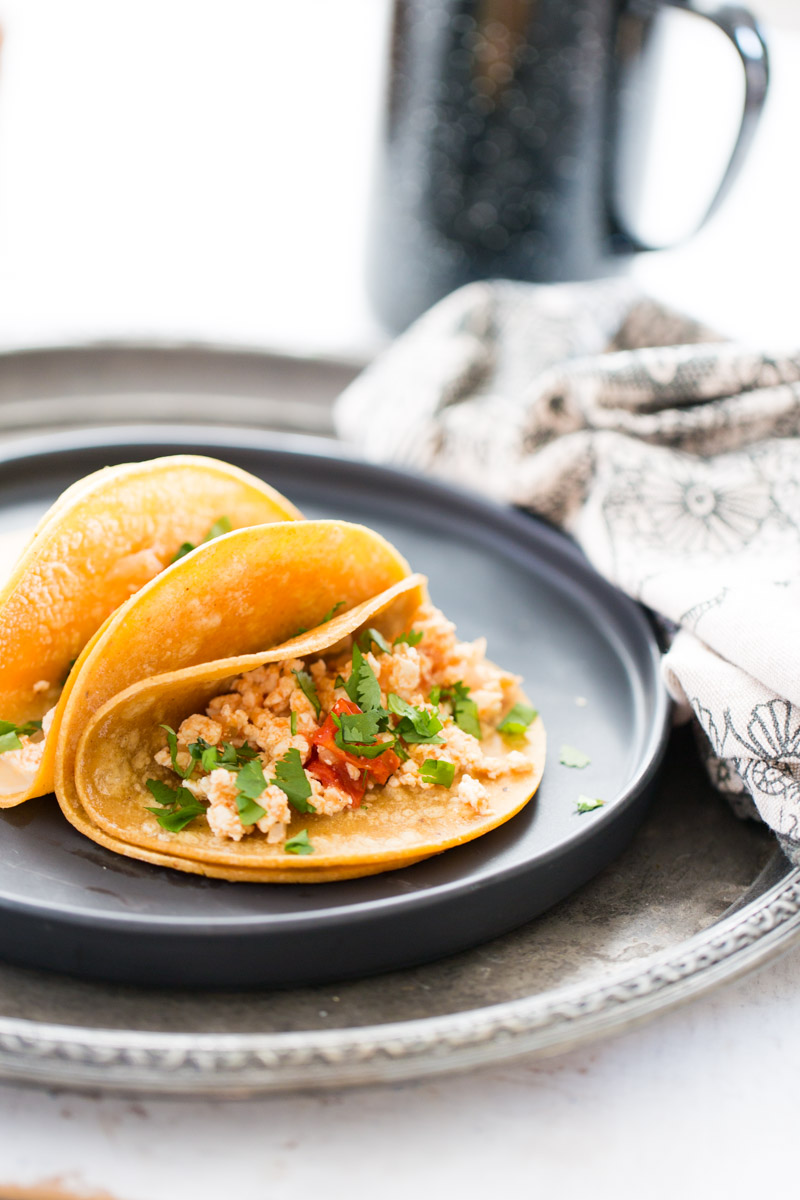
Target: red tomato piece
x=379, y=769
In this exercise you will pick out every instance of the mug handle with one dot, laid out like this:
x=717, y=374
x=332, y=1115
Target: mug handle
x=741, y=27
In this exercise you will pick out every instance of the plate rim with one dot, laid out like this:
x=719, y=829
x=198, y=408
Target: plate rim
x=132, y=1061
x=571, y=562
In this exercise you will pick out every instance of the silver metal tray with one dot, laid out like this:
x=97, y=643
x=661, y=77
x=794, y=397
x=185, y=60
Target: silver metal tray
x=697, y=899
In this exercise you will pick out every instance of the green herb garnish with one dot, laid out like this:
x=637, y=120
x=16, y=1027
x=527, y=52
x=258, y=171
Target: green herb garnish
x=362, y=687
x=293, y=723
x=465, y=711
x=372, y=637
x=329, y=615
x=251, y=783
x=306, y=685
x=412, y=638
x=416, y=725
x=570, y=756
x=172, y=742
x=11, y=733
x=220, y=526
x=586, y=804
x=299, y=844
x=178, y=805
x=518, y=720
x=225, y=755
x=438, y=770
x=292, y=779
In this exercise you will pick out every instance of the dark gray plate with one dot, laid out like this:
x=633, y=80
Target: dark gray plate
x=69, y=905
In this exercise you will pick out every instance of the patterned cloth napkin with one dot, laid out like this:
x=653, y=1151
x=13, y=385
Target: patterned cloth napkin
x=670, y=454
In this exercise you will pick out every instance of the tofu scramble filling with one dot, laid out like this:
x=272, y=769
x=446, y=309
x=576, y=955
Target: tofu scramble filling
x=320, y=735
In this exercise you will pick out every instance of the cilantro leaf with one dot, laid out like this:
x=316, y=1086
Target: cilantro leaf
x=291, y=778
x=178, y=805
x=210, y=757
x=362, y=687
x=10, y=734
x=220, y=526
x=412, y=638
x=329, y=615
x=517, y=720
x=306, y=685
x=184, y=549
x=250, y=780
x=438, y=770
x=358, y=727
x=416, y=725
x=370, y=636
x=249, y=812
x=570, y=756
x=172, y=742
x=586, y=804
x=299, y=844
x=464, y=710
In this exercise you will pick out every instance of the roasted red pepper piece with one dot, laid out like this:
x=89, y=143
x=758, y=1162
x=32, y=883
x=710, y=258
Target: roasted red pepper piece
x=379, y=769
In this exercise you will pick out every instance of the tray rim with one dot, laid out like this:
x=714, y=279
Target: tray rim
x=551, y=1022
x=544, y=1024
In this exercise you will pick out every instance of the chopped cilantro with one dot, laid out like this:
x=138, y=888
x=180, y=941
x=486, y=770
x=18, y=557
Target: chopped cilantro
x=586, y=804
x=465, y=711
x=299, y=844
x=570, y=756
x=358, y=727
x=220, y=526
x=438, y=770
x=251, y=783
x=293, y=723
x=356, y=733
x=372, y=636
x=292, y=779
x=184, y=549
x=518, y=720
x=178, y=806
x=211, y=757
x=249, y=812
x=329, y=615
x=172, y=742
x=362, y=687
x=416, y=725
x=412, y=638
x=306, y=685
x=11, y=733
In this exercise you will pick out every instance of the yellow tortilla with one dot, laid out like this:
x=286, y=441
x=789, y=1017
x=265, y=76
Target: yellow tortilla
x=241, y=594
x=397, y=827
x=103, y=539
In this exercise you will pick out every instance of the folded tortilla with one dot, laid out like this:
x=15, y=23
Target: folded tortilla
x=241, y=594
x=103, y=539
x=401, y=825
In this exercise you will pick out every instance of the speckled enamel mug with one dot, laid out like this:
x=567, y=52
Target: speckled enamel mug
x=506, y=124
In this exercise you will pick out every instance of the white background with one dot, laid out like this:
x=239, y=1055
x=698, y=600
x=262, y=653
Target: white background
x=200, y=170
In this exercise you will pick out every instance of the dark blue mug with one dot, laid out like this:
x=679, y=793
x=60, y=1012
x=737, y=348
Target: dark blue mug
x=506, y=121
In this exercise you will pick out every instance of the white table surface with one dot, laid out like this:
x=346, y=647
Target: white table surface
x=167, y=169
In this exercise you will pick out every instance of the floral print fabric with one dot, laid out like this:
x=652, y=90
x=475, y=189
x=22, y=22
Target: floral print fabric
x=671, y=455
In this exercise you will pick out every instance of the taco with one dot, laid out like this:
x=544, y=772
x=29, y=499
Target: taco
x=240, y=594
x=101, y=541
x=370, y=743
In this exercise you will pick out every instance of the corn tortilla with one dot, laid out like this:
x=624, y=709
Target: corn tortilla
x=105, y=537
x=398, y=827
